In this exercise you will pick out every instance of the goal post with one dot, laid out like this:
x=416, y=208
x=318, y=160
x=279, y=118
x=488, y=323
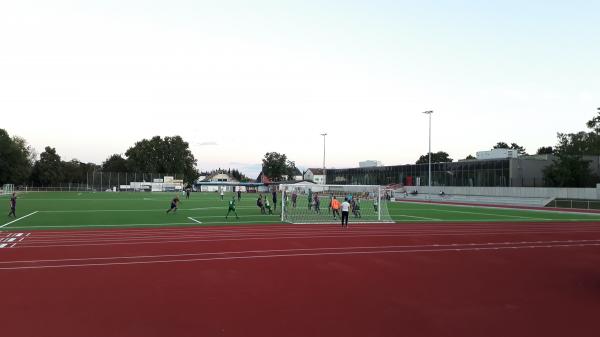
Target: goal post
x=311, y=203
x=8, y=189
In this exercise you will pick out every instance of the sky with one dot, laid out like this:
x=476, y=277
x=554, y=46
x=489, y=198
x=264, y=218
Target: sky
x=237, y=79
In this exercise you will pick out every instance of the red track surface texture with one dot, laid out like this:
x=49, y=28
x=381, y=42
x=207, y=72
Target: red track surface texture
x=517, y=279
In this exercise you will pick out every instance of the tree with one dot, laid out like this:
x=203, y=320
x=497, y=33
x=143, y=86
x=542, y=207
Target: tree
x=501, y=145
x=514, y=146
x=74, y=171
x=545, y=150
x=274, y=165
x=16, y=159
x=594, y=123
x=569, y=169
x=115, y=163
x=438, y=157
x=470, y=157
x=48, y=170
x=169, y=155
x=292, y=170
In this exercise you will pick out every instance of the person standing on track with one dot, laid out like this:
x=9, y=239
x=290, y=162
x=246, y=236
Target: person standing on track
x=13, y=205
x=345, y=212
x=174, y=204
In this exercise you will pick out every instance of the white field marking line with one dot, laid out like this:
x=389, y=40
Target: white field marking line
x=471, y=244
x=194, y=220
x=276, y=229
x=135, y=210
x=250, y=257
x=274, y=238
x=145, y=225
x=521, y=219
x=197, y=235
x=506, y=207
x=280, y=227
x=481, y=213
x=23, y=217
x=417, y=217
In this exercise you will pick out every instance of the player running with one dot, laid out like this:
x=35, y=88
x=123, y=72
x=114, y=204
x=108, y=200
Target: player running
x=232, y=208
x=174, y=205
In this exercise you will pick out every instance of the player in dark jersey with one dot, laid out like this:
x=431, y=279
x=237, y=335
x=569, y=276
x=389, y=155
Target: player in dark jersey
x=13, y=205
x=174, y=204
x=232, y=208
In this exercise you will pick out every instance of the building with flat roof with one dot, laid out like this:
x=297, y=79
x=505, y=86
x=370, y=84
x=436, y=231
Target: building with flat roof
x=523, y=171
x=369, y=163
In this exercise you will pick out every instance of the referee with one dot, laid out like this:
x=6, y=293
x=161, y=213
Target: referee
x=345, y=211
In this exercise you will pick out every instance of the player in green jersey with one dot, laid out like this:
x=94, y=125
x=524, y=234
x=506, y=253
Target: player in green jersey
x=232, y=208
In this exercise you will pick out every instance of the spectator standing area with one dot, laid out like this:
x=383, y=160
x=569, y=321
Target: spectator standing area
x=106, y=264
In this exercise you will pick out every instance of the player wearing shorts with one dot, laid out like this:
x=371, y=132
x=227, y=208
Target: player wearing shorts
x=174, y=204
x=232, y=208
x=335, y=206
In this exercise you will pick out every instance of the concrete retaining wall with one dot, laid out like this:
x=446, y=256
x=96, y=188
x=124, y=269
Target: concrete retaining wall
x=513, y=192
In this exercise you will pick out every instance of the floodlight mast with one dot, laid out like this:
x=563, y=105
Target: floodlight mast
x=324, y=179
x=429, y=112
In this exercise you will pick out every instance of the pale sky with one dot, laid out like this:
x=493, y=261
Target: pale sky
x=92, y=77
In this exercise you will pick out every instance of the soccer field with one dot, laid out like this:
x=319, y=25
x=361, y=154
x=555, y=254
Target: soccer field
x=72, y=210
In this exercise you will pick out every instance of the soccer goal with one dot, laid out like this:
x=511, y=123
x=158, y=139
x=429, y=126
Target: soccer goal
x=8, y=189
x=310, y=203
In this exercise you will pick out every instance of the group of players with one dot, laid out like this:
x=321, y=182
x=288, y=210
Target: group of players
x=350, y=203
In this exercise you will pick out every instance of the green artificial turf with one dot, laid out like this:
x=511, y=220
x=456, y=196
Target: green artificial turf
x=72, y=210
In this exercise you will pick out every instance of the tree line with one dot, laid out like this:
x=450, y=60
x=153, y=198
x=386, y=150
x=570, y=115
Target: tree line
x=19, y=164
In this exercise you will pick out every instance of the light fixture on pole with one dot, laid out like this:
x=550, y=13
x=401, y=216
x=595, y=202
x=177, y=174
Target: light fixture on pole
x=324, y=135
x=429, y=112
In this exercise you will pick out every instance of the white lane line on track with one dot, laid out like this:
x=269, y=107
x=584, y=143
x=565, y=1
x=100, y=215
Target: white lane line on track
x=310, y=249
x=467, y=249
x=194, y=220
x=317, y=229
x=267, y=236
x=145, y=225
x=309, y=237
x=216, y=235
x=23, y=217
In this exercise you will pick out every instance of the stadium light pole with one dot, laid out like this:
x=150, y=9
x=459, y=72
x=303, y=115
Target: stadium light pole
x=429, y=112
x=324, y=135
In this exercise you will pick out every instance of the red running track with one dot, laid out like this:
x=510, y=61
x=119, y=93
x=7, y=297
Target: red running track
x=486, y=279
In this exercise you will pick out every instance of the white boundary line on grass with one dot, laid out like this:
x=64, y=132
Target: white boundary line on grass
x=505, y=207
x=23, y=217
x=194, y=220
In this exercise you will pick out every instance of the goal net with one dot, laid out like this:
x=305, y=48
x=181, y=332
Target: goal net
x=8, y=189
x=310, y=203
